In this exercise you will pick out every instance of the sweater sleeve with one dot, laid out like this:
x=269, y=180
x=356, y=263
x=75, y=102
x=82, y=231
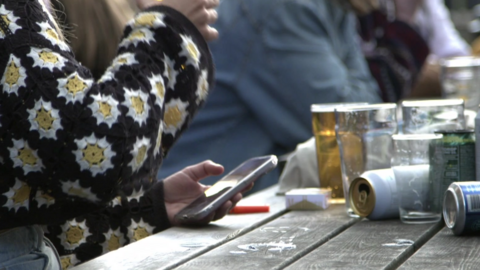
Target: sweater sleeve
x=68, y=142
x=135, y=214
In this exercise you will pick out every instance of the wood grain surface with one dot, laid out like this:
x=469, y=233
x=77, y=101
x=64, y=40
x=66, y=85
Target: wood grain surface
x=281, y=239
x=369, y=245
x=446, y=251
x=176, y=245
x=277, y=243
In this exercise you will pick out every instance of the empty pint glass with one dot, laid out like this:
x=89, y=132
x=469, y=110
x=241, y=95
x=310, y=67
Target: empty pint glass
x=364, y=137
x=459, y=78
x=427, y=116
x=328, y=156
x=411, y=167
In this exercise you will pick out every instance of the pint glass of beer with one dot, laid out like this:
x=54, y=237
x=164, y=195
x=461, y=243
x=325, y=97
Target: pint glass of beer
x=364, y=140
x=328, y=156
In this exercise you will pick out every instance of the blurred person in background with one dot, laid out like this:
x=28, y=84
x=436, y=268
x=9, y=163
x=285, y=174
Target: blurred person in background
x=431, y=19
x=395, y=51
x=273, y=60
x=403, y=41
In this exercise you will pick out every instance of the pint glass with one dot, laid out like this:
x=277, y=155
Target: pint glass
x=427, y=116
x=364, y=139
x=411, y=166
x=328, y=156
x=459, y=78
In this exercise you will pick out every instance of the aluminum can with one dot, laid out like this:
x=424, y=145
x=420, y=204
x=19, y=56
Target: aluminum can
x=452, y=159
x=374, y=195
x=461, y=207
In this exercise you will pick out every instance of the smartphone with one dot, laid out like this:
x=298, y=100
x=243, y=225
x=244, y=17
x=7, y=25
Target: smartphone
x=223, y=190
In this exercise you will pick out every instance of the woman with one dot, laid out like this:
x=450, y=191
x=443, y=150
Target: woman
x=79, y=157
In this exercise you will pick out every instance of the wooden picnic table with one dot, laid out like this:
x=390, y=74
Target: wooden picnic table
x=282, y=239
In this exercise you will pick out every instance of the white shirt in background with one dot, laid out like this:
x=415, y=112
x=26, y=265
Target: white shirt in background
x=436, y=27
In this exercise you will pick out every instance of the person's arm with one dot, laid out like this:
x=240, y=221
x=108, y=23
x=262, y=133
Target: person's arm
x=395, y=57
x=71, y=143
x=308, y=56
x=434, y=22
x=135, y=216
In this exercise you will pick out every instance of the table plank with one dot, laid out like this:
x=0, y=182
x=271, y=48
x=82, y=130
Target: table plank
x=277, y=243
x=446, y=251
x=176, y=245
x=369, y=245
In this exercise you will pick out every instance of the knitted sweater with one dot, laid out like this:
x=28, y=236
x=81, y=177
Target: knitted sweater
x=80, y=156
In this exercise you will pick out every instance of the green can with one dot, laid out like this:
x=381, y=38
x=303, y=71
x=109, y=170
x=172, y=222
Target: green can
x=452, y=159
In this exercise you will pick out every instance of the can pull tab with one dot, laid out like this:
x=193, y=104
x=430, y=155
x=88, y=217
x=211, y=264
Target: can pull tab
x=362, y=198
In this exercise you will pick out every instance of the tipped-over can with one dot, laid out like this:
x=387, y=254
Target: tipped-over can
x=374, y=195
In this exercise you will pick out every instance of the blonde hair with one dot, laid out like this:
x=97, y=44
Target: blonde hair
x=94, y=29
x=52, y=19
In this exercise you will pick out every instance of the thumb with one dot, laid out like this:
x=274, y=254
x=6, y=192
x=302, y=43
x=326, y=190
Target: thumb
x=203, y=169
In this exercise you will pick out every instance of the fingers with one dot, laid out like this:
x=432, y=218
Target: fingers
x=206, y=187
x=208, y=4
x=204, y=17
x=211, y=16
x=202, y=21
x=219, y=213
x=201, y=13
x=223, y=210
x=235, y=199
x=203, y=169
x=248, y=188
x=208, y=33
x=226, y=207
x=212, y=4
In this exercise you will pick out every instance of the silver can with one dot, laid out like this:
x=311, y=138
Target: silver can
x=461, y=207
x=374, y=195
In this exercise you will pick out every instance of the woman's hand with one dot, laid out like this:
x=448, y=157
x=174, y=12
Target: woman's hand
x=183, y=187
x=200, y=12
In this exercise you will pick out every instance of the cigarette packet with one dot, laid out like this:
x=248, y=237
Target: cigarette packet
x=308, y=199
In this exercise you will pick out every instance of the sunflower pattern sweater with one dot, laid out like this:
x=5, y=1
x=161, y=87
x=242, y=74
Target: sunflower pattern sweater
x=80, y=157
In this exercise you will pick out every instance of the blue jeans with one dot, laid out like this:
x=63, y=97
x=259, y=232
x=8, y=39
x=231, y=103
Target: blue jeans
x=25, y=248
